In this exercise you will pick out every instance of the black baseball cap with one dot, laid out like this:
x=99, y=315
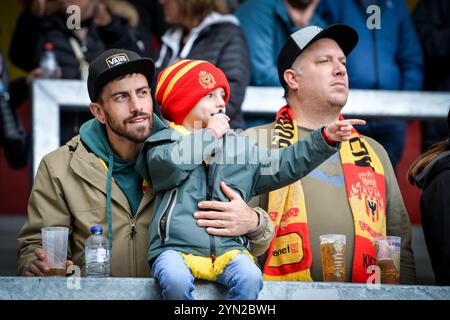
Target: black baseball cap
x=114, y=63
x=345, y=36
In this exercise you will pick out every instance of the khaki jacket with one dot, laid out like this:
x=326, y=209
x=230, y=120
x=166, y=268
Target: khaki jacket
x=70, y=190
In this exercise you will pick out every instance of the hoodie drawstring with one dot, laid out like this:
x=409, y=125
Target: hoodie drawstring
x=108, y=200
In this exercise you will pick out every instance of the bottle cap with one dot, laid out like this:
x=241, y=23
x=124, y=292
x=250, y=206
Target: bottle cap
x=48, y=46
x=96, y=229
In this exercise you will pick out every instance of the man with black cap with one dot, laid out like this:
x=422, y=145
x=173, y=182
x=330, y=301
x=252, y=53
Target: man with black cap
x=354, y=192
x=92, y=181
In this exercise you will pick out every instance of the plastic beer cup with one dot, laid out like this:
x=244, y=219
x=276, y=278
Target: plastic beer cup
x=388, y=258
x=54, y=242
x=332, y=247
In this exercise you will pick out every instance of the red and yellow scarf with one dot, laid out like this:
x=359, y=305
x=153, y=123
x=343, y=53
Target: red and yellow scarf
x=290, y=256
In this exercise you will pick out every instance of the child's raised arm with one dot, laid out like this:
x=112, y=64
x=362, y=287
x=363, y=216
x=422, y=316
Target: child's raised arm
x=296, y=161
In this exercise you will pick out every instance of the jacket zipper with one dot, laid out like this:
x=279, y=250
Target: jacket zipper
x=164, y=217
x=210, y=189
x=133, y=233
x=212, y=243
x=133, y=229
x=133, y=238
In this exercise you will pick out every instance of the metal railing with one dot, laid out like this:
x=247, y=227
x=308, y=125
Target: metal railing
x=50, y=97
x=367, y=103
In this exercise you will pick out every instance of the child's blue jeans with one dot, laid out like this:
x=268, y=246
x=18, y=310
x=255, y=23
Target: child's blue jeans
x=241, y=276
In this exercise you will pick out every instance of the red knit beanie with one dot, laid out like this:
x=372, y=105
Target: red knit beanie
x=181, y=86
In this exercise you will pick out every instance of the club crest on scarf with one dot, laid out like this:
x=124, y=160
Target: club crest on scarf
x=367, y=186
x=366, y=190
x=290, y=255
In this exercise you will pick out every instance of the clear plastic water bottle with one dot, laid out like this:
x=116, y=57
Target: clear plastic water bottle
x=48, y=62
x=96, y=253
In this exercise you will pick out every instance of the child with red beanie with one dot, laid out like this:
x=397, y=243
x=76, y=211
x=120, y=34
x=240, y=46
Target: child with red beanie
x=186, y=163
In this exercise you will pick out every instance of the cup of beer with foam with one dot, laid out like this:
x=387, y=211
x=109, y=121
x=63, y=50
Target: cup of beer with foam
x=332, y=247
x=388, y=258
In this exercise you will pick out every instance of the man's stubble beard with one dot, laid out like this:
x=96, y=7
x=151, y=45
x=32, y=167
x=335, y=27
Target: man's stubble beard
x=136, y=136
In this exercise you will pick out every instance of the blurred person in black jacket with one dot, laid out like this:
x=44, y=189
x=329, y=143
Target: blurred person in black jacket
x=202, y=31
x=13, y=138
x=151, y=25
x=431, y=172
x=75, y=46
x=432, y=21
x=46, y=21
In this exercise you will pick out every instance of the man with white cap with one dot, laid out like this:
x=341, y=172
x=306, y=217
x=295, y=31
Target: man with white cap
x=354, y=192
